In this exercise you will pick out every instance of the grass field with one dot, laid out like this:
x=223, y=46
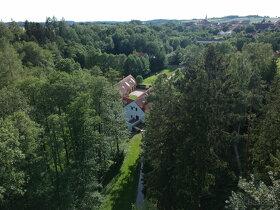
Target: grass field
x=150, y=80
x=121, y=191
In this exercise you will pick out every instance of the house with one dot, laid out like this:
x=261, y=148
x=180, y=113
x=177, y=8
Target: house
x=142, y=54
x=277, y=23
x=263, y=26
x=227, y=33
x=134, y=114
x=134, y=109
x=127, y=85
x=234, y=26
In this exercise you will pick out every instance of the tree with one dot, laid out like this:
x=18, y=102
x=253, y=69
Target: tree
x=12, y=176
x=10, y=64
x=113, y=76
x=250, y=29
x=136, y=65
x=160, y=145
x=255, y=195
x=187, y=136
x=262, y=58
x=270, y=37
x=16, y=31
x=68, y=65
x=5, y=32
x=12, y=100
x=265, y=134
x=139, y=79
x=33, y=55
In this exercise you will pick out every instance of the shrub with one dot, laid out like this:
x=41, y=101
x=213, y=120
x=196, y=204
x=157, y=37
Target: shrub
x=139, y=79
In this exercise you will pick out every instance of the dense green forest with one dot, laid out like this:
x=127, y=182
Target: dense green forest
x=62, y=124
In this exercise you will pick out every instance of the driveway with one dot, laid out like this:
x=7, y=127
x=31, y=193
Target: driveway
x=138, y=92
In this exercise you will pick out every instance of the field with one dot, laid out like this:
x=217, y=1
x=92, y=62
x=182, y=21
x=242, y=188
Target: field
x=150, y=80
x=120, y=192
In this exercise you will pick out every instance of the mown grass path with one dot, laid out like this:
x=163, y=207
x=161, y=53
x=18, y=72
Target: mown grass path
x=121, y=191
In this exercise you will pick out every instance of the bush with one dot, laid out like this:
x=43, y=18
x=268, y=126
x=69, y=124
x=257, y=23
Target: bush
x=139, y=79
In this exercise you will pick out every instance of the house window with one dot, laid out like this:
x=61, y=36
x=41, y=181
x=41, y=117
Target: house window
x=136, y=109
x=131, y=108
x=131, y=116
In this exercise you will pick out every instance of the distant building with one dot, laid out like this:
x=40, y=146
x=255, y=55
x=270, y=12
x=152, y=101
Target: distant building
x=215, y=25
x=234, y=26
x=204, y=22
x=142, y=54
x=277, y=23
x=227, y=33
x=263, y=26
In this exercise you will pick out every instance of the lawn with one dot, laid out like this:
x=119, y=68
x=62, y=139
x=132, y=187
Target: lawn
x=133, y=97
x=121, y=191
x=150, y=80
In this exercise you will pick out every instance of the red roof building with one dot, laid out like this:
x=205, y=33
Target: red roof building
x=142, y=54
x=127, y=85
x=141, y=102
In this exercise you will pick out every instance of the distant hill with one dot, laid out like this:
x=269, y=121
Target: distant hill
x=237, y=19
x=227, y=19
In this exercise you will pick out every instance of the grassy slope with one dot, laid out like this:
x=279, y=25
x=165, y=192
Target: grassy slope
x=150, y=80
x=121, y=191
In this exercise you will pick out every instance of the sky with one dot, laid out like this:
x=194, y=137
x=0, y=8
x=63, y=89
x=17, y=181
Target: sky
x=126, y=10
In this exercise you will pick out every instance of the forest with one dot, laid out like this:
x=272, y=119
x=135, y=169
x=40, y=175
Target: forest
x=211, y=140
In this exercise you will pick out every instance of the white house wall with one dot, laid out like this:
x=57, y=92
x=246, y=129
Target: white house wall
x=130, y=111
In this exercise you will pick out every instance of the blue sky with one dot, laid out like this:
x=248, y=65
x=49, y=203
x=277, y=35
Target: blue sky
x=125, y=10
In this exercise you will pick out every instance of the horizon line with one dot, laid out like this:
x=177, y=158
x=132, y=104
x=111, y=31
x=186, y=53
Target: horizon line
x=85, y=21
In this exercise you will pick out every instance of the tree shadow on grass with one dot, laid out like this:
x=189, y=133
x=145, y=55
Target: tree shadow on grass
x=114, y=168
x=125, y=193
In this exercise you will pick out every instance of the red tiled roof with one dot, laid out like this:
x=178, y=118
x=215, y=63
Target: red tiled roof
x=142, y=54
x=141, y=101
x=126, y=84
x=127, y=100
